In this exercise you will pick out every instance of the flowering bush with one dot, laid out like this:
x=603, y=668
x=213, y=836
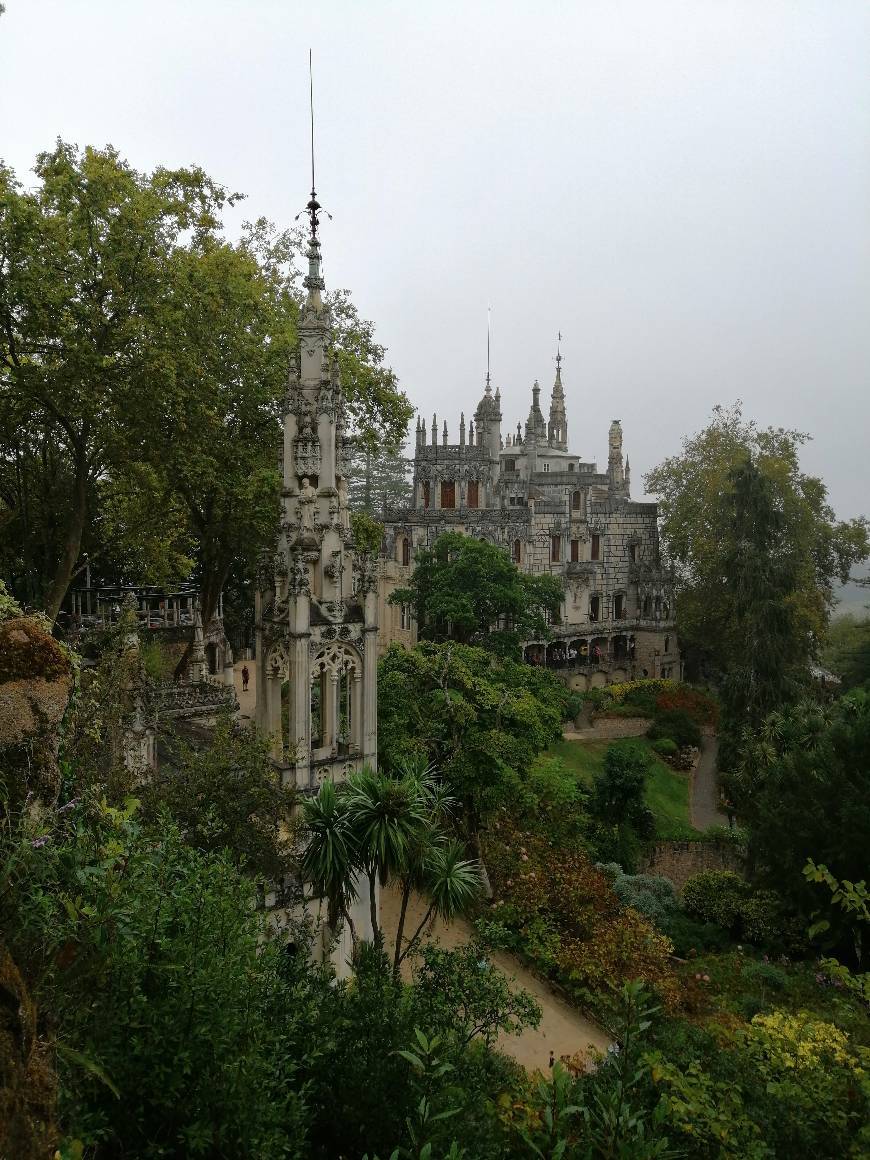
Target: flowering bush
x=568, y=919
x=701, y=707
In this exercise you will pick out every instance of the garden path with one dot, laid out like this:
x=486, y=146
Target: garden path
x=704, y=801
x=562, y=1030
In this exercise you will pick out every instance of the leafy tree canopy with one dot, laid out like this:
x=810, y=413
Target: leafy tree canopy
x=143, y=362
x=699, y=535
x=804, y=789
x=847, y=649
x=479, y=719
x=470, y=591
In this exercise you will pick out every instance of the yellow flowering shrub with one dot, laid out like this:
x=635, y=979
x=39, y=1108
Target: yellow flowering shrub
x=798, y=1042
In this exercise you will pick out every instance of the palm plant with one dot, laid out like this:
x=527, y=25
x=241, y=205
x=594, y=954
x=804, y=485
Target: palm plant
x=329, y=860
x=451, y=882
x=388, y=818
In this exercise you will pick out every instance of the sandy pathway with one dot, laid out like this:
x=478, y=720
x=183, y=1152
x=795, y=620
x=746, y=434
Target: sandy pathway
x=247, y=701
x=562, y=1029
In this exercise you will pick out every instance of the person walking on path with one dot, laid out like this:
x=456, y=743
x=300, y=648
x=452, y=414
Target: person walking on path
x=245, y=677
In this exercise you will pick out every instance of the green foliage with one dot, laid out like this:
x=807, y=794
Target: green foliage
x=666, y=747
x=143, y=368
x=460, y=992
x=376, y=478
x=702, y=537
x=367, y=532
x=846, y=650
x=675, y=725
x=150, y=957
x=650, y=894
x=803, y=786
x=477, y=719
x=618, y=792
x=466, y=589
x=226, y=796
x=716, y=896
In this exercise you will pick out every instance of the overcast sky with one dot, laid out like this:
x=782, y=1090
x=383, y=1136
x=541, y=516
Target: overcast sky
x=682, y=187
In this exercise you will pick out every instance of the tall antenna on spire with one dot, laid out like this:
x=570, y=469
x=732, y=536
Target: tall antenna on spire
x=314, y=207
x=311, y=108
x=488, y=329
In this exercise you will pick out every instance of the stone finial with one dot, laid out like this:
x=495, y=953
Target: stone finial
x=471, y=432
x=434, y=430
x=444, y=436
x=461, y=428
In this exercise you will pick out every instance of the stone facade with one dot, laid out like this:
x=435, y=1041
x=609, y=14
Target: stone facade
x=552, y=512
x=316, y=599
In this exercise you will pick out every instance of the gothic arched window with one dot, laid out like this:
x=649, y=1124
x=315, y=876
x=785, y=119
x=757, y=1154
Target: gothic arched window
x=406, y=551
x=517, y=551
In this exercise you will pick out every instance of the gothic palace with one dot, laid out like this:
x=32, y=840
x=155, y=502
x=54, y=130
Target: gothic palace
x=553, y=513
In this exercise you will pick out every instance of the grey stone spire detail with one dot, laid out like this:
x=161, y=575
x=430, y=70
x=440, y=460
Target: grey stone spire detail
x=536, y=427
x=434, y=430
x=196, y=667
x=615, y=472
x=557, y=429
x=462, y=429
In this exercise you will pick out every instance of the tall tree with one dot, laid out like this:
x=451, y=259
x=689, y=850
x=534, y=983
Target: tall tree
x=143, y=358
x=470, y=591
x=377, y=478
x=84, y=284
x=699, y=535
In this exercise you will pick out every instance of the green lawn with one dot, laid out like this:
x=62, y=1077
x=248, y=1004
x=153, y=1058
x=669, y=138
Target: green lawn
x=667, y=792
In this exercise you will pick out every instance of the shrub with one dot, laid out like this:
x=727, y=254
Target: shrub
x=765, y=976
x=650, y=894
x=676, y=725
x=701, y=707
x=716, y=896
x=666, y=747
x=692, y=937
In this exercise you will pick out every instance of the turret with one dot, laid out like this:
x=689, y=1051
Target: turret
x=557, y=429
x=615, y=473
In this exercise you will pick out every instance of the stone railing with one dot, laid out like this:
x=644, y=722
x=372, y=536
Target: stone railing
x=194, y=700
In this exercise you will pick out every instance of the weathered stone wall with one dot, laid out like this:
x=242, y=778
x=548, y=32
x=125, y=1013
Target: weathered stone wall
x=680, y=861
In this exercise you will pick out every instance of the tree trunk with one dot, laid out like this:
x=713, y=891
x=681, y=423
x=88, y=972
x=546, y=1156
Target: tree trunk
x=377, y=934
x=72, y=542
x=400, y=930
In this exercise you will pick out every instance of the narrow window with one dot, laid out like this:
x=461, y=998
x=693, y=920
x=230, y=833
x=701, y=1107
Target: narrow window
x=546, y=467
x=555, y=549
x=618, y=607
x=667, y=644
x=427, y=496
x=575, y=551
x=406, y=551
x=632, y=553
x=317, y=710
x=594, y=607
x=448, y=494
x=596, y=547
x=516, y=552
x=473, y=494
x=575, y=501
x=647, y=607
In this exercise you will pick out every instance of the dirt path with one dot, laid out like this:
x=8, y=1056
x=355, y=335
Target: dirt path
x=248, y=700
x=562, y=1029
x=704, y=793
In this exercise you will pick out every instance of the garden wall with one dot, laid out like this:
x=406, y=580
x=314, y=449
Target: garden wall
x=679, y=861
x=611, y=729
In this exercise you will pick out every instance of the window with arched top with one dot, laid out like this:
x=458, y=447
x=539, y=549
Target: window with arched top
x=647, y=607
x=575, y=501
x=667, y=644
x=406, y=551
x=517, y=551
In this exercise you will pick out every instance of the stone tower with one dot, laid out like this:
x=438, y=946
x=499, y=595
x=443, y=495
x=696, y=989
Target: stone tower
x=557, y=429
x=316, y=604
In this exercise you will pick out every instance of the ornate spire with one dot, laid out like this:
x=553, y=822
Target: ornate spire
x=535, y=424
x=557, y=429
x=313, y=281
